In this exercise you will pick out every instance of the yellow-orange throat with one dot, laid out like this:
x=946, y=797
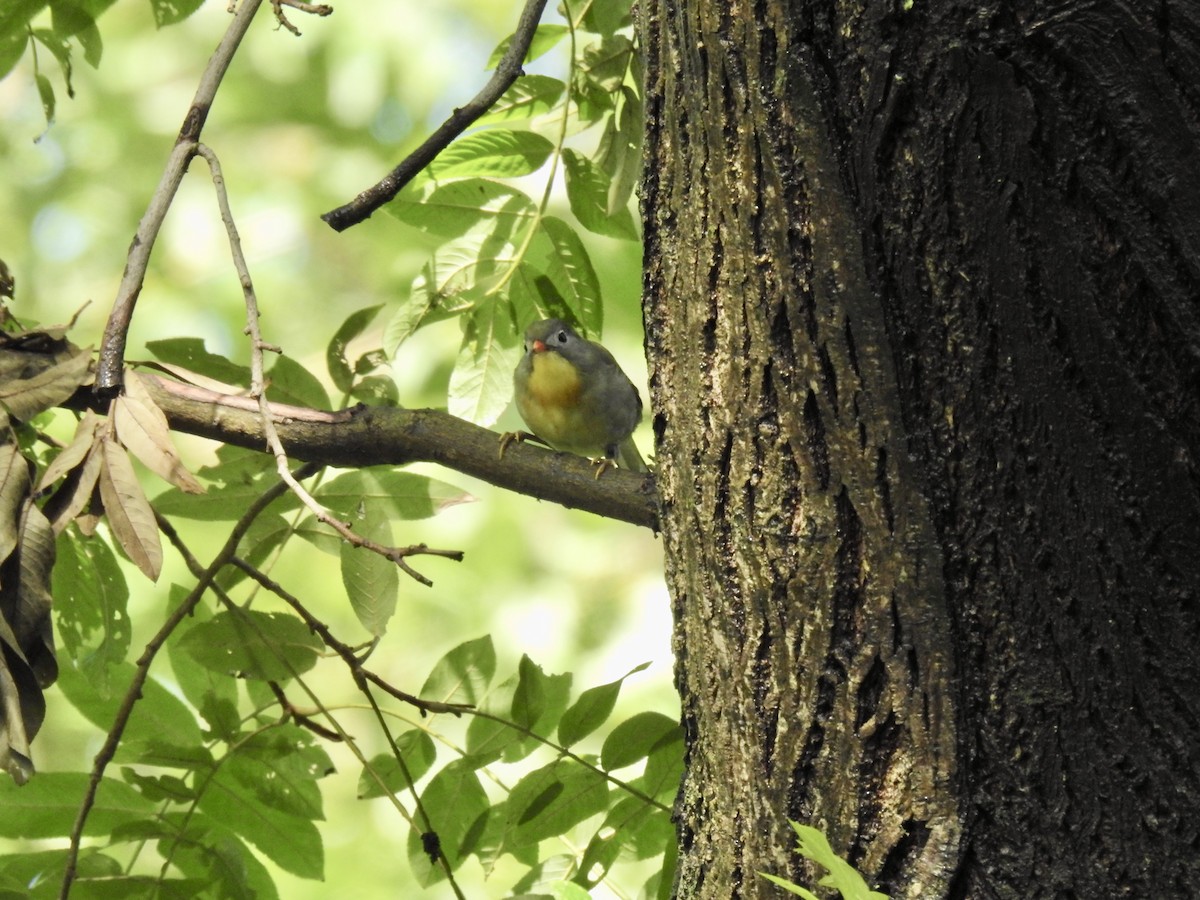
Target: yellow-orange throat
x=553, y=381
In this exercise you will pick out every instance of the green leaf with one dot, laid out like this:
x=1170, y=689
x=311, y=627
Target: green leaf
x=405, y=321
x=91, y=599
x=549, y=801
x=547, y=36
x=158, y=713
x=340, y=369
x=46, y=94
x=455, y=208
x=13, y=41
x=637, y=737
x=664, y=766
x=418, y=752
x=588, y=190
x=631, y=828
x=291, y=842
x=209, y=851
x=481, y=383
x=457, y=276
x=44, y=868
x=190, y=353
x=495, y=152
x=558, y=252
x=790, y=887
x=399, y=495
x=280, y=767
x=464, y=674
x=844, y=877
x=46, y=807
x=458, y=807
x=529, y=700
x=270, y=646
x=71, y=20
x=529, y=96
x=372, y=581
x=588, y=713
x=606, y=16
x=290, y=382
x=171, y=12
x=620, y=151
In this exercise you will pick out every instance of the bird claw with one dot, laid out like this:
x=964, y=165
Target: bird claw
x=603, y=464
x=516, y=437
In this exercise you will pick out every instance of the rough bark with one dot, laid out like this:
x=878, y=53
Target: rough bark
x=925, y=361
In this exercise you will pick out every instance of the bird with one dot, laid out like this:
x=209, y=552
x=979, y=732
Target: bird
x=574, y=397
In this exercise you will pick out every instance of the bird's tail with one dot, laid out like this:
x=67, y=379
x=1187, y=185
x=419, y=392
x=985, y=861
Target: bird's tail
x=628, y=457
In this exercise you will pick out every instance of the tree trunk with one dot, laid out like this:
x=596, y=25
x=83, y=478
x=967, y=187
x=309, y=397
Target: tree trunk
x=924, y=339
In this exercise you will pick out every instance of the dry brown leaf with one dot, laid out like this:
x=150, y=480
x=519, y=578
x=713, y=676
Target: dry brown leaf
x=128, y=512
x=144, y=431
x=24, y=398
x=76, y=492
x=74, y=453
x=14, y=492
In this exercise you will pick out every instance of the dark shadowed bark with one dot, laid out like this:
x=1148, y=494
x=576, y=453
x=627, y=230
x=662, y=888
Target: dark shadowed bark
x=925, y=359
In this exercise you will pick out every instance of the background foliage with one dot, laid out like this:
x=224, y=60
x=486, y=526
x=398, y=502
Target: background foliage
x=301, y=125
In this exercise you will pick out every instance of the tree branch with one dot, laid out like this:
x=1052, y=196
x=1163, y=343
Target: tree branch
x=112, y=346
x=361, y=207
x=366, y=436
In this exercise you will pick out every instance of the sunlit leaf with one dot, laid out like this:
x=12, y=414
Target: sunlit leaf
x=189, y=353
x=496, y=152
x=463, y=674
x=529, y=96
x=563, y=258
x=288, y=381
x=588, y=191
x=454, y=208
x=553, y=799
x=591, y=710
x=636, y=737
x=547, y=36
x=481, y=383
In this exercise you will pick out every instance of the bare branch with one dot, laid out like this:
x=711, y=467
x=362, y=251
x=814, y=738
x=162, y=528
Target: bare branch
x=509, y=68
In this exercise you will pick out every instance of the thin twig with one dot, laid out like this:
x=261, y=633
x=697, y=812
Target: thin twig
x=142, y=672
x=316, y=9
x=112, y=347
x=507, y=71
x=258, y=391
x=342, y=649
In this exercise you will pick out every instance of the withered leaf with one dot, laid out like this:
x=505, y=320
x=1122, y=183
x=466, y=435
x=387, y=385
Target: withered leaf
x=129, y=514
x=25, y=397
x=74, y=453
x=14, y=492
x=142, y=428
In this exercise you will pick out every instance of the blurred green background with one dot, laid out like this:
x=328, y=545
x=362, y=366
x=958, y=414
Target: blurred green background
x=301, y=125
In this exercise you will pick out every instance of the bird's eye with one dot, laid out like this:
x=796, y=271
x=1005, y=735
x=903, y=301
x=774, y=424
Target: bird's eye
x=561, y=337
